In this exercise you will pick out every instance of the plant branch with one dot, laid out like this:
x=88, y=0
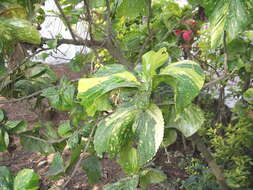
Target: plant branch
x=216, y=170
x=225, y=53
x=65, y=19
x=43, y=140
x=82, y=156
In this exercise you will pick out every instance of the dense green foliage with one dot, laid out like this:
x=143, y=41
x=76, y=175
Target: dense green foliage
x=156, y=70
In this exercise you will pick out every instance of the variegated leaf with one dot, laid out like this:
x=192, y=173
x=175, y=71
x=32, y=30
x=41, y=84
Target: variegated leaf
x=186, y=78
x=113, y=132
x=187, y=122
x=90, y=89
x=149, y=127
x=153, y=60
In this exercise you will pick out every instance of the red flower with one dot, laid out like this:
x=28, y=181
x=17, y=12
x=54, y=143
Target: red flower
x=189, y=21
x=187, y=35
x=178, y=32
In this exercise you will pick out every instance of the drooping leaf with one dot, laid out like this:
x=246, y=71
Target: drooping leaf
x=187, y=122
x=113, y=131
x=6, y=178
x=149, y=126
x=248, y=95
x=92, y=167
x=129, y=183
x=16, y=127
x=89, y=89
x=231, y=16
x=74, y=156
x=128, y=159
x=170, y=136
x=33, y=145
x=57, y=165
x=131, y=8
x=186, y=78
x=151, y=176
x=153, y=60
x=4, y=140
x=26, y=179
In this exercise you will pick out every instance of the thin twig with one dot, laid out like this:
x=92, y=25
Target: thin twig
x=43, y=140
x=65, y=19
x=149, y=16
x=223, y=77
x=33, y=94
x=225, y=53
x=82, y=156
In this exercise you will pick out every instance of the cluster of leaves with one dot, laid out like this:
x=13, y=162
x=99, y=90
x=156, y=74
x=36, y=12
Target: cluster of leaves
x=25, y=179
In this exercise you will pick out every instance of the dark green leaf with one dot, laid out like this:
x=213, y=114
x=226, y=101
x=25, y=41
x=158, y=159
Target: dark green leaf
x=151, y=176
x=57, y=165
x=1, y=115
x=6, y=179
x=65, y=129
x=26, y=179
x=4, y=140
x=16, y=127
x=170, y=136
x=34, y=145
x=93, y=169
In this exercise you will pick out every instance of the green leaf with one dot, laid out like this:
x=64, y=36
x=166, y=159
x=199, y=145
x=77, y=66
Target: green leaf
x=6, y=178
x=112, y=132
x=131, y=8
x=51, y=43
x=153, y=60
x=97, y=3
x=102, y=103
x=4, y=140
x=170, y=136
x=26, y=179
x=248, y=95
x=187, y=122
x=231, y=16
x=65, y=129
x=74, y=156
x=93, y=169
x=77, y=63
x=16, y=127
x=151, y=176
x=57, y=165
x=129, y=183
x=128, y=159
x=186, y=78
x=1, y=115
x=74, y=140
x=90, y=89
x=34, y=145
x=149, y=126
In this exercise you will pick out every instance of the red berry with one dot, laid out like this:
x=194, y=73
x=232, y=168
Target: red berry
x=187, y=35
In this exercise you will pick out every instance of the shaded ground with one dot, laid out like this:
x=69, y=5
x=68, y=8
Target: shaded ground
x=18, y=158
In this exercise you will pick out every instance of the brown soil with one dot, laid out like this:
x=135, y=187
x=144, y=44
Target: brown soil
x=18, y=158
